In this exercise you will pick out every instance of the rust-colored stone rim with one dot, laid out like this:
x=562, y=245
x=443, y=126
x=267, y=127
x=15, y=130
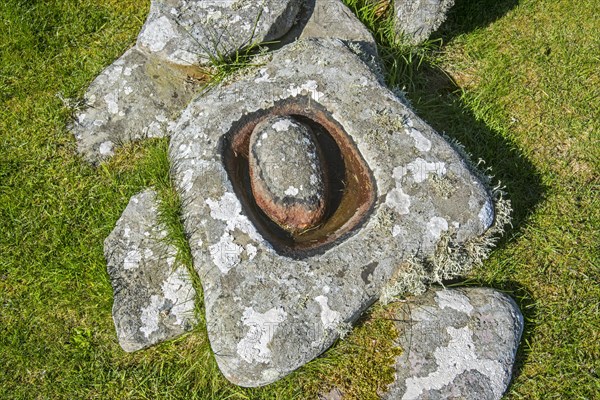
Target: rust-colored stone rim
x=352, y=209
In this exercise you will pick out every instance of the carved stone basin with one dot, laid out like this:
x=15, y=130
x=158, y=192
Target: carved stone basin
x=349, y=187
x=404, y=208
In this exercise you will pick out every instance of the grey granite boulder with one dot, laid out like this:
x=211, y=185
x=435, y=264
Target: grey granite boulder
x=153, y=293
x=141, y=93
x=134, y=98
x=333, y=19
x=191, y=32
x=409, y=209
x=418, y=19
x=458, y=344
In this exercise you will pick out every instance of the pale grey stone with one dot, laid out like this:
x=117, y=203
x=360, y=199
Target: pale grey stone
x=269, y=312
x=333, y=19
x=135, y=98
x=286, y=173
x=153, y=293
x=418, y=19
x=140, y=94
x=458, y=344
x=192, y=32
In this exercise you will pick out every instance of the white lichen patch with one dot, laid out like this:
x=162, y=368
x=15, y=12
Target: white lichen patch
x=420, y=169
x=454, y=300
x=112, y=102
x=310, y=88
x=436, y=226
x=179, y=291
x=283, y=125
x=421, y=142
x=329, y=317
x=150, y=316
x=225, y=253
x=459, y=356
x=255, y=345
x=106, y=148
x=157, y=34
x=132, y=259
x=396, y=198
x=291, y=191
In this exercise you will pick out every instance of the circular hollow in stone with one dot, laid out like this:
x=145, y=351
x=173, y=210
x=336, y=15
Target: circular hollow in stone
x=286, y=173
x=351, y=190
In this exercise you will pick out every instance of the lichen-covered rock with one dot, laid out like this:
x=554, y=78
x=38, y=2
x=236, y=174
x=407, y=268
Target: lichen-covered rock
x=286, y=173
x=134, y=98
x=192, y=32
x=333, y=19
x=282, y=311
x=458, y=344
x=140, y=94
x=418, y=19
x=154, y=297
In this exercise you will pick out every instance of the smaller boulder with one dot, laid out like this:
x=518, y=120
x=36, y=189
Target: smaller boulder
x=154, y=296
x=458, y=344
x=416, y=20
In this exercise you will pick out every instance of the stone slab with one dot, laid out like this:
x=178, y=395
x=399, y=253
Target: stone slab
x=135, y=98
x=267, y=313
x=196, y=32
x=458, y=344
x=153, y=293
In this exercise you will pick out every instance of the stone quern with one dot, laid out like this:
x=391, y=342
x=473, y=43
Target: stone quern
x=154, y=296
x=286, y=173
x=273, y=305
x=458, y=344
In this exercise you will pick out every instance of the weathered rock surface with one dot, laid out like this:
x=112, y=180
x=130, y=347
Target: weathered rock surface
x=286, y=173
x=333, y=19
x=192, y=32
x=140, y=94
x=154, y=297
x=280, y=311
x=458, y=344
x=134, y=98
x=418, y=19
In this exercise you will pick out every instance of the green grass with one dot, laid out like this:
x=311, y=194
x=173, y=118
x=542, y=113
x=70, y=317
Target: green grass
x=517, y=84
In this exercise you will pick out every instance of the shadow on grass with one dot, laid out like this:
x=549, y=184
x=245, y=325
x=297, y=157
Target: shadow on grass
x=468, y=15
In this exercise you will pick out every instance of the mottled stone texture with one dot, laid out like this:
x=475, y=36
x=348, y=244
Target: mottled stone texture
x=268, y=314
x=134, y=98
x=332, y=19
x=141, y=93
x=418, y=19
x=286, y=173
x=154, y=297
x=191, y=32
x=458, y=344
